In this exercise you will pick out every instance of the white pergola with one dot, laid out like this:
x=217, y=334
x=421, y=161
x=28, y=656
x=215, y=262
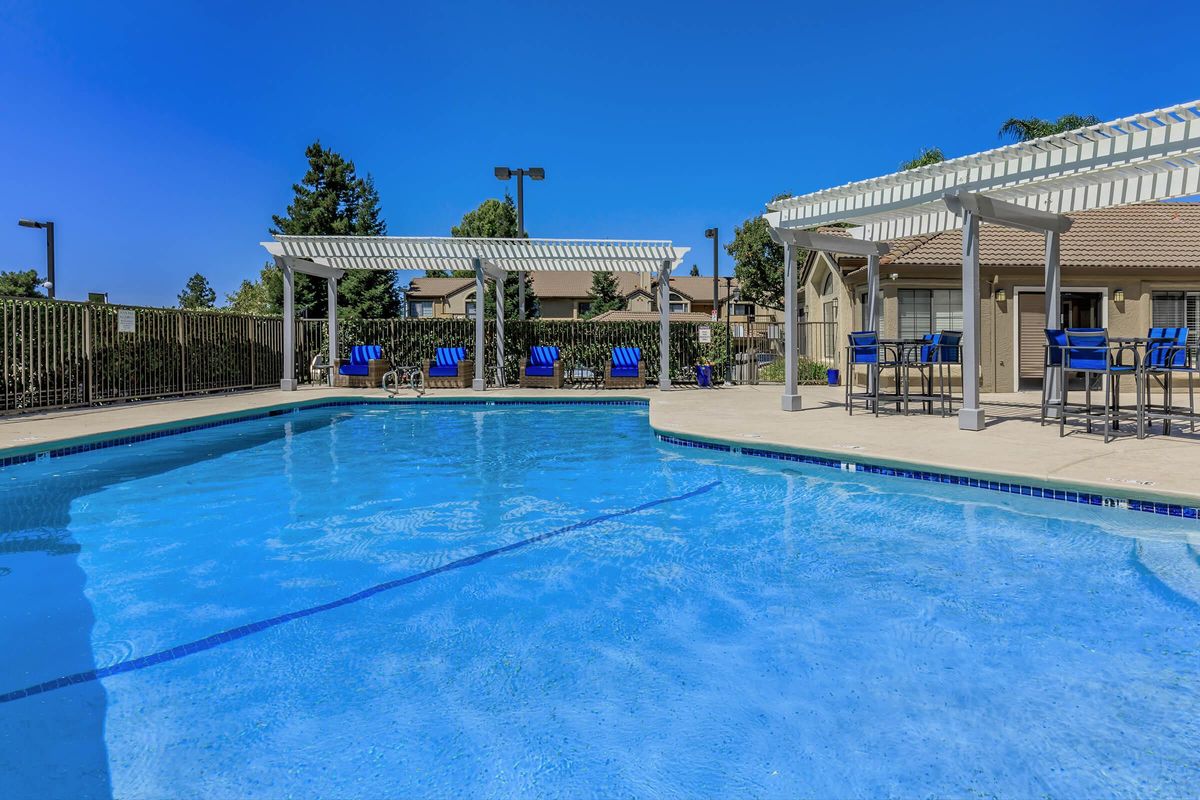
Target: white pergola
x=330, y=257
x=1028, y=185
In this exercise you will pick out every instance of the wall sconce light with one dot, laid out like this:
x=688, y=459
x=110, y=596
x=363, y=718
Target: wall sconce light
x=1119, y=296
x=894, y=275
x=1001, y=296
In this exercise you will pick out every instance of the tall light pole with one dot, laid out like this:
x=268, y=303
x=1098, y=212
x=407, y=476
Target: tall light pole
x=728, y=328
x=711, y=233
x=49, y=226
x=536, y=174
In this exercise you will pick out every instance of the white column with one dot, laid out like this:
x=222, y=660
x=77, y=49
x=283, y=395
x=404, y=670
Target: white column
x=664, y=326
x=331, y=293
x=521, y=295
x=287, y=381
x=791, y=368
x=1053, y=312
x=970, y=416
x=478, y=383
x=500, y=329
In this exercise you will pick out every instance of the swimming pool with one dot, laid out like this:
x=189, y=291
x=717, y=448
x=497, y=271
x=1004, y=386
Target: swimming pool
x=498, y=601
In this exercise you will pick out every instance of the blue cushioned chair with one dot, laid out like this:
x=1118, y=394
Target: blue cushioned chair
x=1166, y=355
x=1089, y=352
x=364, y=368
x=542, y=369
x=865, y=350
x=1056, y=340
x=624, y=369
x=935, y=358
x=449, y=369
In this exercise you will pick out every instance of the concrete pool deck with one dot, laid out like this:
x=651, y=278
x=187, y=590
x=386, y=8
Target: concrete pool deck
x=1013, y=445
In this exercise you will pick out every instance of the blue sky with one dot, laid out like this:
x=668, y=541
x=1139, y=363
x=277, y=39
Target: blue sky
x=160, y=137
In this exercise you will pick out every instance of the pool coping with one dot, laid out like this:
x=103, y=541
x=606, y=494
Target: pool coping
x=1081, y=492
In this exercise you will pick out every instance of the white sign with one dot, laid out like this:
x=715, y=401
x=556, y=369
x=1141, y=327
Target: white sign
x=705, y=334
x=126, y=320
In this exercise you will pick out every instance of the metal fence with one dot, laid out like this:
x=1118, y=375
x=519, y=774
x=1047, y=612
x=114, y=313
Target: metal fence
x=56, y=354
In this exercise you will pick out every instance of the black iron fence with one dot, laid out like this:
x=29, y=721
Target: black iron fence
x=56, y=354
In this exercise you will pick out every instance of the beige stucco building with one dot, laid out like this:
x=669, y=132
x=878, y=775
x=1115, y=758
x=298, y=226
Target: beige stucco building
x=1124, y=268
x=565, y=296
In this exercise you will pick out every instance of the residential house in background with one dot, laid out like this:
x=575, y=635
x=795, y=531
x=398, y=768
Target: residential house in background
x=565, y=296
x=1126, y=269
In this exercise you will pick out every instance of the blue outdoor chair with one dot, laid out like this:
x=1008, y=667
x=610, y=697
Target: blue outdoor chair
x=542, y=369
x=936, y=357
x=1167, y=354
x=364, y=368
x=1056, y=340
x=624, y=369
x=449, y=369
x=865, y=350
x=1088, y=352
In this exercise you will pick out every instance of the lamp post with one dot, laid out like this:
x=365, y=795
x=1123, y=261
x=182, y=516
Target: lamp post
x=535, y=174
x=49, y=226
x=728, y=327
x=711, y=233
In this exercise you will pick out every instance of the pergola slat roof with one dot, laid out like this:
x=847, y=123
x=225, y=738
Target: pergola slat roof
x=452, y=253
x=1151, y=156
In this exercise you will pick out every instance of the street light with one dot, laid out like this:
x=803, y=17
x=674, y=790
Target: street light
x=536, y=174
x=729, y=297
x=49, y=226
x=711, y=233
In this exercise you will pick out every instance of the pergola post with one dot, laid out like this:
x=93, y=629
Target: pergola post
x=872, y=321
x=332, y=295
x=287, y=381
x=970, y=416
x=791, y=365
x=664, y=326
x=1053, y=314
x=478, y=383
x=521, y=296
x=499, y=328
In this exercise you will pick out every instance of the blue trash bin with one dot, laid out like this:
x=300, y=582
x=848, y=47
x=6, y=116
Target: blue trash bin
x=832, y=376
x=704, y=375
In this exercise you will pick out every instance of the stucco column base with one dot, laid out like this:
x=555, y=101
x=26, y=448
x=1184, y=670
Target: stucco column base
x=970, y=419
x=287, y=385
x=791, y=402
x=478, y=384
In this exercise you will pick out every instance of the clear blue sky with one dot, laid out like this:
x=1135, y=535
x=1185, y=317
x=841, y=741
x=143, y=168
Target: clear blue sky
x=160, y=137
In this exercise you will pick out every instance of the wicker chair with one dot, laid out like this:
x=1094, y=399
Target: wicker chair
x=449, y=369
x=363, y=370
x=624, y=369
x=542, y=370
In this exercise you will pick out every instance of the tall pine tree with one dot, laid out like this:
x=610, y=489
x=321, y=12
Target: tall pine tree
x=605, y=295
x=332, y=200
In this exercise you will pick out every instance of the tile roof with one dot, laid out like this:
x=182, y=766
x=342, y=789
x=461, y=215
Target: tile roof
x=1146, y=235
x=649, y=316
x=437, y=287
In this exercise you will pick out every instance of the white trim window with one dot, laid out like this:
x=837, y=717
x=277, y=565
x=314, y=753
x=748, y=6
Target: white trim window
x=420, y=309
x=862, y=310
x=925, y=311
x=469, y=303
x=1176, y=309
x=678, y=305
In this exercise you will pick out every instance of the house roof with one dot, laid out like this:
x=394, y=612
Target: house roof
x=437, y=287
x=576, y=284
x=649, y=316
x=1146, y=235
x=699, y=287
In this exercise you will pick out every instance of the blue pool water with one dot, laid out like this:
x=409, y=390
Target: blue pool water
x=498, y=602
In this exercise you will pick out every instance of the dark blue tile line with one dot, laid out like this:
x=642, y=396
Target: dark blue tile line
x=242, y=631
x=1065, y=495
x=120, y=441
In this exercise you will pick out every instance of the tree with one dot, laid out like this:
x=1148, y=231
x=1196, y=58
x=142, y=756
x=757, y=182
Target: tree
x=197, y=293
x=605, y=295
x=1022, y=130
x=695, y=271
x=494, y=219
x=758, y=262
x=254, y=297
x=927, y=156
x=20, y=283
x=331, y=200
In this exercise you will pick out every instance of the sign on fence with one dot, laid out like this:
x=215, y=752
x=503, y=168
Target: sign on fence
x=126, y=320
x=705, y=334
